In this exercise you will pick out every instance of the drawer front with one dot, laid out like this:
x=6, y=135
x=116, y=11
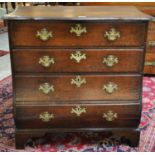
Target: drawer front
x=77, y=87
x=151, y=42
x=72, y=34
x=78, y=116
x=149, y=63
x=75, y=60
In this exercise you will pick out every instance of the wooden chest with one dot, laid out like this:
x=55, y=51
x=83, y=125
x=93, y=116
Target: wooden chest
x=77, y=69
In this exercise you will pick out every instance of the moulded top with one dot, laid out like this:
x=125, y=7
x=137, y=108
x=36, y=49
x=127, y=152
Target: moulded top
x=77, y=13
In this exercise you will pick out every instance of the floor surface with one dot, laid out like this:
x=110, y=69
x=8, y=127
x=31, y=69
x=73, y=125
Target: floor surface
x=5, y=69
x=4, y=45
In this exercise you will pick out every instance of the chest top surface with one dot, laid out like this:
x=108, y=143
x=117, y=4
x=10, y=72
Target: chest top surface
x=77, y=13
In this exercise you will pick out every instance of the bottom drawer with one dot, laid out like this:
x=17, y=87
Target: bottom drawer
x=78, y=116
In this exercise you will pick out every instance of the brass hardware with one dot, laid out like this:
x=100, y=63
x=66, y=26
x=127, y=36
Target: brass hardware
x=151, y=43
x=44, y=34
x=150, y=63
x=78, y=81
x=78, y=56
x=78, y=110
x=152, y=20
x=110, y=115
x=46, y=61
x=110, y=87
x=110, y=60
x=46, y=116
x=78, y=30
x=46, y=88
x=112, y=34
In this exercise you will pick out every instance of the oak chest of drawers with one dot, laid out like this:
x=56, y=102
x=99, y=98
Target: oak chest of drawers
x=77, y=69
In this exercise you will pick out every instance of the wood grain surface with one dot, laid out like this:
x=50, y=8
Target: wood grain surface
x=27, y=88
x=131, y=34
x=78, y=13
x=27, y=60
x=127, y=116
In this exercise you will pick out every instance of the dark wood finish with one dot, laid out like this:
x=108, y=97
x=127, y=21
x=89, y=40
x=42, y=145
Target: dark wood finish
x=150, y=58
x=127, y=116
x=26, y=49
x=150, y=50
x=150, y=38
x=146, y=7
x=150, y=54
x=132, y=34
x=23, y=138
x=78, y=13
x=30, y=137
x=128, y=88
x=27, y=60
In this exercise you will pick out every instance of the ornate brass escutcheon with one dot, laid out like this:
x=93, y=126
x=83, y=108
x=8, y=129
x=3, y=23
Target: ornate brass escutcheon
x=78, y=110
x=110, y=60
x=78, y=30
x=78, y=81
x=78, y=56
x=44, y=34
x=46, y=116
x=46, y=61
x=110, y=115
x=112, y=34
x=46, y=88
x=110, y=87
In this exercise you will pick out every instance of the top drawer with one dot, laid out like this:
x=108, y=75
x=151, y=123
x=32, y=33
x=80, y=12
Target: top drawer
x=71, y=34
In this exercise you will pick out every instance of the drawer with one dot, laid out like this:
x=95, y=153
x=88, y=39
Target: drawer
x=77, y=87
x=71, y=34
x=149, y=63
x=78, y=116
x=78, y=60
x=151, y=41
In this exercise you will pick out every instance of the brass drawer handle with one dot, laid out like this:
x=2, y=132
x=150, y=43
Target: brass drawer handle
x=77, y=56
x=112, y=34
x=78, y=110
x=46, y=88
x=110, y=60
x=151, y=43
x=44, y=34
x=110, y=87
x=110, y=115
x=46, y=116
x=78, y=30
x=150, y=63
x=152, y=20
x=46, y=61
x=78, y=81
